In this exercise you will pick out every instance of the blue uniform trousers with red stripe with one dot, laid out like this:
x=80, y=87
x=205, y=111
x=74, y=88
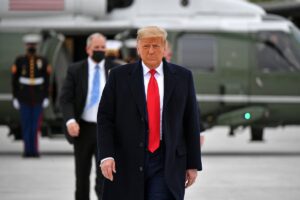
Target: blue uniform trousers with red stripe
x=30, y=121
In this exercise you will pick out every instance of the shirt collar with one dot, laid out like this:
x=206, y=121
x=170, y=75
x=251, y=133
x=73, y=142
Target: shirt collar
x=159, y=69
x=93, y=63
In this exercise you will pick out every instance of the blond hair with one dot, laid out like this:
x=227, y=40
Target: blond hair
x=152, y=31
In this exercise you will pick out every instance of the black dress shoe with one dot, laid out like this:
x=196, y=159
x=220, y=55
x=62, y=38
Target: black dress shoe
x=37, y=155
x=26, y=155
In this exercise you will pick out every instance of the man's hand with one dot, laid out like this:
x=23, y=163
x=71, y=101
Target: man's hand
x=190, y=177
x=108, y=167
x=73, y=129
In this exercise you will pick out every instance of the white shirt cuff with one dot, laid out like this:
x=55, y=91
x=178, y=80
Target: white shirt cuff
x=104, y=159
x=70, y=121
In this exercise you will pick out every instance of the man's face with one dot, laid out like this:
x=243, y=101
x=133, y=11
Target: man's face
x=151, y=50
x=97, y=44
x=31, y=48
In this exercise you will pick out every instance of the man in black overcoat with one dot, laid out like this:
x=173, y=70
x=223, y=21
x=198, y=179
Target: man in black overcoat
x=148, y=126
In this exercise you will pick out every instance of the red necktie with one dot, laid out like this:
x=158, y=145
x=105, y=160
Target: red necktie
x=153, y=109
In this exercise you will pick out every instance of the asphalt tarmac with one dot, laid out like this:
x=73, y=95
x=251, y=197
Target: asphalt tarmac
x=233, y=168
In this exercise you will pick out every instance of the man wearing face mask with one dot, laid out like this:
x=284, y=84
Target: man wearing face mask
x=30, y=85
x=80, y=96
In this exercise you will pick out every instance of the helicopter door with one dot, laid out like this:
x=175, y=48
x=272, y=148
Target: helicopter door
x=53, y=49
x=233, y=73
x=198, y=52
x=276, y=78
x=219, y=68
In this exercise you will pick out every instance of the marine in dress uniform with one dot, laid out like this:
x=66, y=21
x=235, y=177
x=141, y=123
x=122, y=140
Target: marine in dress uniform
x=30, y=84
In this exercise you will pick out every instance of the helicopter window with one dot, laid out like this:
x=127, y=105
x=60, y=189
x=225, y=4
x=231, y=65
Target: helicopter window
x=112, y=4
x=276, y=52
x=197, y=52
x=296, y=33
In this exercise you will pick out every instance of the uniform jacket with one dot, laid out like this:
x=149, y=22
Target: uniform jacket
x=74, y=90
x=122, y=129
x=30, y=79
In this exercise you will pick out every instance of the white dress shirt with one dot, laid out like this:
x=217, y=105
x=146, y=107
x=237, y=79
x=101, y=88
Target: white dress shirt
x=159, y=76
x=90, y=114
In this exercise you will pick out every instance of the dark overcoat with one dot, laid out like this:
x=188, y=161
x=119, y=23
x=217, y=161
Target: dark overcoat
x=122, y=129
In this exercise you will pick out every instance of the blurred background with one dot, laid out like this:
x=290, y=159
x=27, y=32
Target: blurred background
x=245, y=59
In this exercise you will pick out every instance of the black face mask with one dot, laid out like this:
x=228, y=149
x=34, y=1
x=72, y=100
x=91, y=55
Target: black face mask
x=31, y=50
x=98, y=56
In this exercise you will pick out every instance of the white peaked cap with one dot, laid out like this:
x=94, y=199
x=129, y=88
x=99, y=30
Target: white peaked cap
x=32, y=38
x=113, y=44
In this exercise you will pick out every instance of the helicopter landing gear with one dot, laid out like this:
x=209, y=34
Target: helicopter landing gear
x=256, y=134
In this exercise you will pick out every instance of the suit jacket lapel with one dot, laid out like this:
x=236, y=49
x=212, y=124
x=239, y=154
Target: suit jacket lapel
x=136, y=82
x=84, y=74
x=169, y=82
x=107, y=66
